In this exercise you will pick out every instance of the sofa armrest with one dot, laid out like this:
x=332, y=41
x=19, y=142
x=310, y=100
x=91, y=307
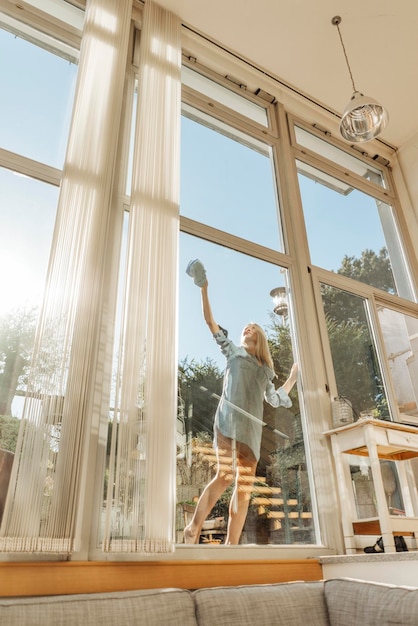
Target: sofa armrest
x=360, y=602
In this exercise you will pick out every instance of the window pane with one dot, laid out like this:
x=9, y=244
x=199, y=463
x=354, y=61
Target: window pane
x=27, y=216
x=400, y=336
x=280, y=509
x=227, y=182
x=132, y=140
x=352, y=233
x=356, y=367
x=336, y=155
x=36, y=102
x=62, y=10
x=364, y=490
x=223, y=95
x=120, y=517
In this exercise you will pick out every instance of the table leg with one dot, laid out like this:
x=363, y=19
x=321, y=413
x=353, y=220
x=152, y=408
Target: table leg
x=382, y=507
x=346, y=515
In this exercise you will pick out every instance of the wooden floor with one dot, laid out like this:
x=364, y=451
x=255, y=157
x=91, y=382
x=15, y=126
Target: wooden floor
x=53, y=578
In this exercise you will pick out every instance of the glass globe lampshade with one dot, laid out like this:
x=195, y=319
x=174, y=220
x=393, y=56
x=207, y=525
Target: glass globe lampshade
x=363, y=119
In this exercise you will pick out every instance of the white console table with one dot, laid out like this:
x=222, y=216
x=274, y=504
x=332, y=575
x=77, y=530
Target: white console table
x=376, y=439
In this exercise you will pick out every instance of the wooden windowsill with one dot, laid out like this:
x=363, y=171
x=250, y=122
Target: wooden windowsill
x=69, y=577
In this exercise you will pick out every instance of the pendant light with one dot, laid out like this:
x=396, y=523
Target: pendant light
x=363, y=118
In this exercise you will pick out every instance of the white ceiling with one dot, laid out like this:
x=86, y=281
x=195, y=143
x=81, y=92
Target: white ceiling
x=295, y=41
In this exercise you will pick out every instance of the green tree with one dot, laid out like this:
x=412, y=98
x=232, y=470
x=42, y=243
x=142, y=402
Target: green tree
x=355, y=363
x=9, y=430
x=371, y=268
x=17, y=328
x=355, y=366
x=199, y=405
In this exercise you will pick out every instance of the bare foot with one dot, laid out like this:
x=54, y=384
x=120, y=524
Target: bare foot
x=190, y=536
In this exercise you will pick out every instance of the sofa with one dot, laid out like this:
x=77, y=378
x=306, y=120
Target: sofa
x=334, y=602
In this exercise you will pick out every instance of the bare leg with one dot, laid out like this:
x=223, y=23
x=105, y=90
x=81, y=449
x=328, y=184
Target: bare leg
x=212, y=491
x=246, y=468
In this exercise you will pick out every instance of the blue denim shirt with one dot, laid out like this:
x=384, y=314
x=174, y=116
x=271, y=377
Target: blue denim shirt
x=246, y=384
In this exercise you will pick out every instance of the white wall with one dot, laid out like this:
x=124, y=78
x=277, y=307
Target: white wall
x=396, y=569
x=408, y=161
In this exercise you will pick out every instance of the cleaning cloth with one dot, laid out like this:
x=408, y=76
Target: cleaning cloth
x=196, y=270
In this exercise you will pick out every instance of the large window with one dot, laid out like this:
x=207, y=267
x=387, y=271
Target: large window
x=280, y=510
x=303, y=217
x=365, y=298
x=352, y=232
x=35, y=110
x=229, y=191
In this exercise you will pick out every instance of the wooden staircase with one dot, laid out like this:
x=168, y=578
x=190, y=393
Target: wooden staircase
x=266, y=499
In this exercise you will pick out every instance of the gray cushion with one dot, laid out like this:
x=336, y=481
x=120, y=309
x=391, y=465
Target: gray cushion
x=290, y=604
x=167, y=607
x=370, y=604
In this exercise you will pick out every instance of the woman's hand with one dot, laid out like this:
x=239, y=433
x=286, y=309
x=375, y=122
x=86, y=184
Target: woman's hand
x=293, y=376
x=294, y=372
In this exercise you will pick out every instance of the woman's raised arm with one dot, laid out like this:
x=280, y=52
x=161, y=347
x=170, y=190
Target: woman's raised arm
x=207, y=310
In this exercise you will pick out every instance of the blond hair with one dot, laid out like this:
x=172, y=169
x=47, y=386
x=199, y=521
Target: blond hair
x=262, y=349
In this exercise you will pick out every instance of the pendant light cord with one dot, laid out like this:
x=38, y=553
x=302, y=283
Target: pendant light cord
x=336, y=21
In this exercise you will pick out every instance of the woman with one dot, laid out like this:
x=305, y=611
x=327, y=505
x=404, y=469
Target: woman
x=238, y=420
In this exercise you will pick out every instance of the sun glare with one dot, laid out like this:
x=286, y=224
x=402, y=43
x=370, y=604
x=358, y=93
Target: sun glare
x=21, y=287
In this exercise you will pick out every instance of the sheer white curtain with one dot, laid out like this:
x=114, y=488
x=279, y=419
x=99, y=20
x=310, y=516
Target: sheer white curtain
x=40, y=513
x=140, y=515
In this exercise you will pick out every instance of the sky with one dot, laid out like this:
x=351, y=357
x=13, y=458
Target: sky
x=37, y=88
x=35, y=104
x=239, y=292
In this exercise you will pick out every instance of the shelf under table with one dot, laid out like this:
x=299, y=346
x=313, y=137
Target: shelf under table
x=401, y=525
